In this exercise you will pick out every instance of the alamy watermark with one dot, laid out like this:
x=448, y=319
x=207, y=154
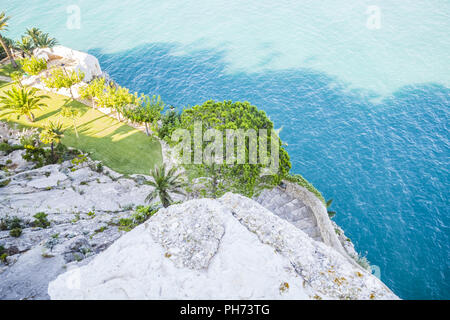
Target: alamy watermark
x=240, y=147
x=74, y=17
x=373, y=21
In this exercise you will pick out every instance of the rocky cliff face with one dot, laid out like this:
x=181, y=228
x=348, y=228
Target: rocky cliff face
x=230, y=248
x=82, y=206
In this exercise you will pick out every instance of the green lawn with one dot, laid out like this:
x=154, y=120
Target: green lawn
x=6, y=70
x=119, y=146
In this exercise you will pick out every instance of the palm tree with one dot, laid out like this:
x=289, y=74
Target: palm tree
x=10, y=43
x=3, y=26
x=34, y=34
x=164, y=182
x=44, y=41
x=23, y=101
x=72, y=113
x=52, y=134
x=26, y=45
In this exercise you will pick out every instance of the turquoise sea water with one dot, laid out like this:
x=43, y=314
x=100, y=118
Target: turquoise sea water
x=365, y=111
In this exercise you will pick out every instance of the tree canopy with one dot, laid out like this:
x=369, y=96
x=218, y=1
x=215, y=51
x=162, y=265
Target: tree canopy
x=244, y=177
x=147, y=110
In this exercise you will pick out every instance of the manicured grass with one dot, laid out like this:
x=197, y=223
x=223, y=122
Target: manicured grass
x=119, y=146
x=7, y=69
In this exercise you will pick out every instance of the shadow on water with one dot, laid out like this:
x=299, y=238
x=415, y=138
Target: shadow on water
x=385, y=160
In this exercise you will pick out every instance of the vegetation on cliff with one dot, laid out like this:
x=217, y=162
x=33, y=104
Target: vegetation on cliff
x=100, y=135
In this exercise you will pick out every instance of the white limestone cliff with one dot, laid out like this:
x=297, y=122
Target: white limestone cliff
x=230, y=248
x=75, y=60
x=278, y=246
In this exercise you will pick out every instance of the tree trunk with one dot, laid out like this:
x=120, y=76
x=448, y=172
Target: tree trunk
x=164, y=200
x=8, y=52
x=70, y=88
x=30, y=117
x=146, y=129
x=71, y=94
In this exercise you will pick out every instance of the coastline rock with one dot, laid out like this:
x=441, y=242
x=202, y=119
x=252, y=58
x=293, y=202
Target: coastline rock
x=230, y=248
x=83, y=208
x=227, y=248
x=76, y=60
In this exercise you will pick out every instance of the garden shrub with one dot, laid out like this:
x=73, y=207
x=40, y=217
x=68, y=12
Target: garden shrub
x=16, y=232
x=7, y=148
x=4, y=182
x=41, y=220
x=170, y=121
x=141, y=215
x=7, y=223
x=34, y=65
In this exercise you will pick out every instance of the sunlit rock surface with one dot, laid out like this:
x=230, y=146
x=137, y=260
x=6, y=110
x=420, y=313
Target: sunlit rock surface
x=230, y=248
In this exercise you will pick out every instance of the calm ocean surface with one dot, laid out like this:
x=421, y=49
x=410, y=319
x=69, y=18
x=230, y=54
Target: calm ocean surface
x=365, y=112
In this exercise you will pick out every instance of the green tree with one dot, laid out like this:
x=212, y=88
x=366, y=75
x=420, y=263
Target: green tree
x=170, y=121
x=71, y=113
x=148, y=111
x=60, y=78
x=25, y=45
x=246, y=177
x=3, y=27
x=165, y=182
x=34, y=34
x=45, y=41
x=23, y=101
x=52, y=134
x=34, y=65
x=95, y=89
x=117, y=98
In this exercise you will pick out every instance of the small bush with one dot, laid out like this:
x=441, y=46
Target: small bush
x=10, y=223
x=126, y=224
x=3, y=254
x=16, y=232
x=171, y=121
x=101, y=229
x=141, y=215
x=95, y=88
x=5, y=147
x=99, y=167
x=34, y=65
x=63, y=78
x=79, y=159
x=41, y=220
x=35, y=152
x=4, y=182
